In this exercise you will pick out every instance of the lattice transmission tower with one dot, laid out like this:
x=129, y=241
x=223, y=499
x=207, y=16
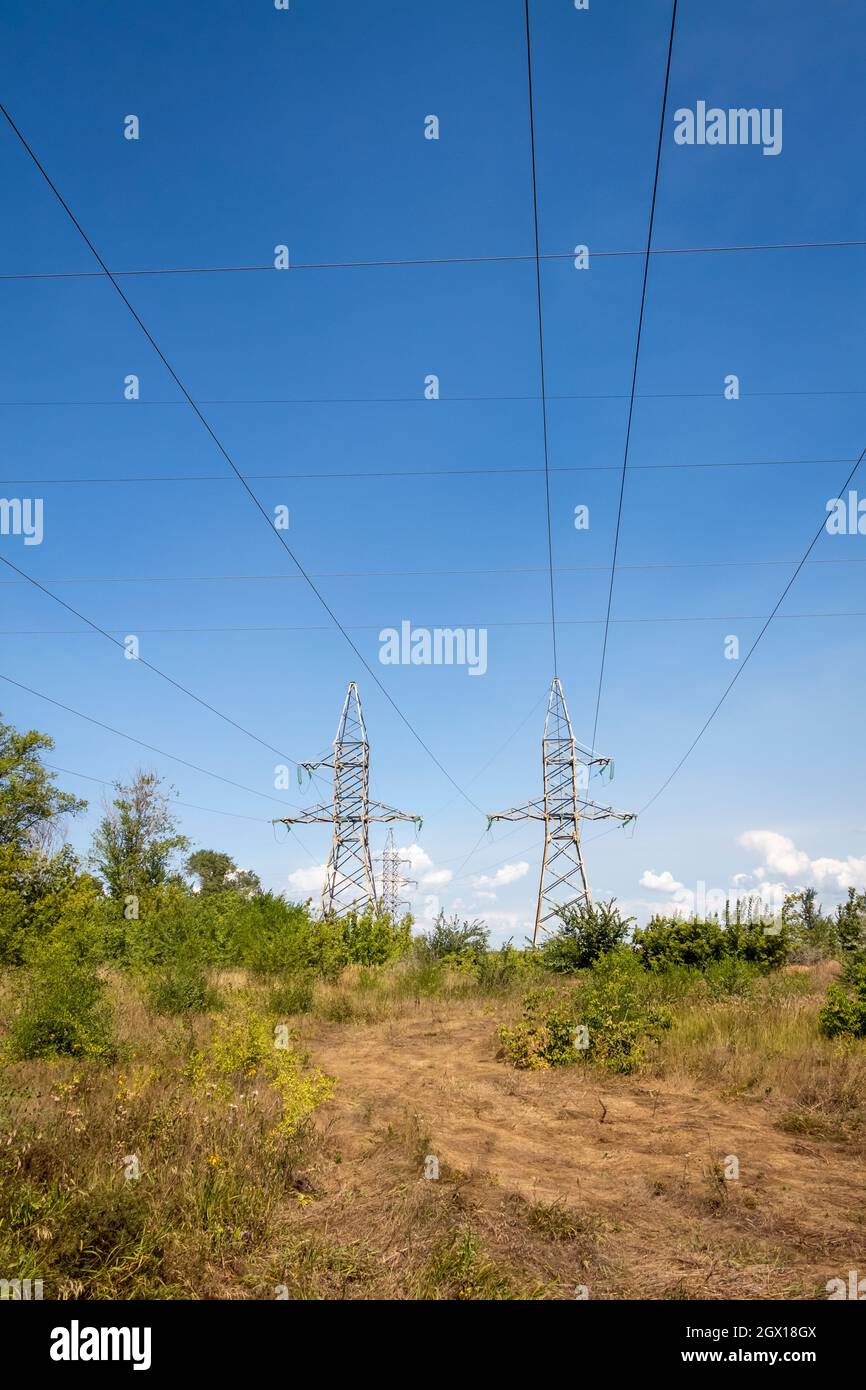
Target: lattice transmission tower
x=392, y=878
x=350, y=885
x=566, y=766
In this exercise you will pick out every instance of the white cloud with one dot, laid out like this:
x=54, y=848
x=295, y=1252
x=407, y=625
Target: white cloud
x=509, y=873
x=780, y=856
x=308, y=880
x=438, y=876
x=662, y=883
x=418, y=858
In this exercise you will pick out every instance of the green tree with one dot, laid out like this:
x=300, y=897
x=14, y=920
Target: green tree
x=588, y=932
x=36, y=886
x=218, y=873
x=137, y=842
x=452, y=937
x=851, y=923
x=29, y=800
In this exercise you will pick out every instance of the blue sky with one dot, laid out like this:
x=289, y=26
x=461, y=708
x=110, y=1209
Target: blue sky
x=260, y=127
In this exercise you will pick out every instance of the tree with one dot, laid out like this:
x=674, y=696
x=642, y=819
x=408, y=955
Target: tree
x=29, y=801
x=137, y=841
x=851, y=923
x=218, y=873
x=588, y=932
x=452, y=937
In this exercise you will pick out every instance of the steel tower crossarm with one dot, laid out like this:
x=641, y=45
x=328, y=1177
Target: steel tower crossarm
x=350, y=884
x=566, y=768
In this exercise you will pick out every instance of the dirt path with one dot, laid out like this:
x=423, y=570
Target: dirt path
x=634, y=1153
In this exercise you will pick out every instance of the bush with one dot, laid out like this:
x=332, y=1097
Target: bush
x=454, y=940
x=545, y=1035
x=374, y=938
x=273, y=935
x=292, y=995
x=730, y=976
x=588, y=932
x=500, y=969
x=701, y=943
x=244, y=1048
x=62, y=1010
x=180, y=988
x=844, y=1011
x=617, y=1014
x=843, y=1014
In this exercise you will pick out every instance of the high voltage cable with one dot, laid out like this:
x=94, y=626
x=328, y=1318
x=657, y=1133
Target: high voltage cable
x=414, y=473
x=428, y=260
x=540, y=333
x=188, y=805
x=742, y=665
x=426, y=574
x=240, y=477
x=103, y=632
x=636, y=360
x=377, y=627
x=151, y=747
x=449, y=400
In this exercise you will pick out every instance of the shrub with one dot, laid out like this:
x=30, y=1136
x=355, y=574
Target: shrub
x=700, y=943
x=180, y=988
x=497, y=970
x=588, y=932
x=245, y=1047
x=844, y=1011
x=374, y=938
x=679, y=942
x=617, y=1013
x=292, y=995
x=545, y=1035
x=453, y=939
x=61, y=1010
x=843, y=1014
x=730, y=976
x=273, y=935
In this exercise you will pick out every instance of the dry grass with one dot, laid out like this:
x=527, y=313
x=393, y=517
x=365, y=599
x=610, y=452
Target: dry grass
x=547, y=1182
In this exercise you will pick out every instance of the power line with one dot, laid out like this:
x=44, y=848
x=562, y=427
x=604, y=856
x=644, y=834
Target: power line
x=151, y=748
x=229, y=460
x=428, y=260
x=506, y=398
x=188, y=805
x=742, y=665
x=646, y=266
x=377, y=627
x=428, y=574
x=540, y=334
x=103, y=632
x=414, y=473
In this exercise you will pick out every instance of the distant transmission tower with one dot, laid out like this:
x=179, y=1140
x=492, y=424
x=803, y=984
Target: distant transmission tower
x=566, y=767
x=349, y=882
x=392, y=879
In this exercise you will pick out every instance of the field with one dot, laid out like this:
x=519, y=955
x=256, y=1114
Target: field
x=728, y=1164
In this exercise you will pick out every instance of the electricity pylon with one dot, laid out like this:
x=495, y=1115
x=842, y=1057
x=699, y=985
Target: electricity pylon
x=349, y=883
x=392, y=878
x=566, y=766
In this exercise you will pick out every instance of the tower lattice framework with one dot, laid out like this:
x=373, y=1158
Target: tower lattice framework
x=350, y=885
x=392, y=877
x=566, y=769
